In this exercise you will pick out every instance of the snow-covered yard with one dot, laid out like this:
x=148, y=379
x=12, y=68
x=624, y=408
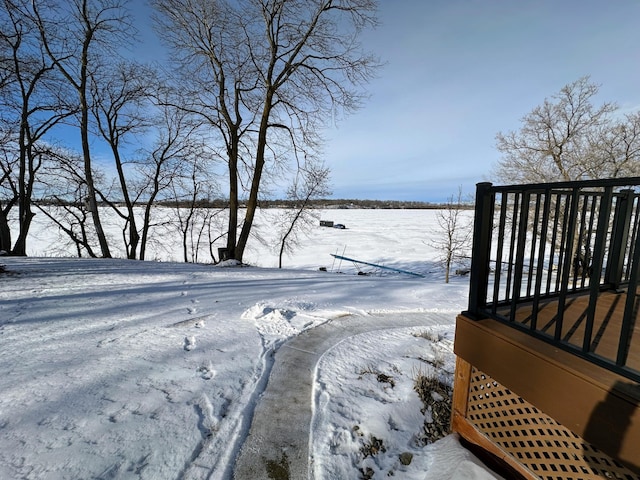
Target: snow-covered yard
x=125, y=369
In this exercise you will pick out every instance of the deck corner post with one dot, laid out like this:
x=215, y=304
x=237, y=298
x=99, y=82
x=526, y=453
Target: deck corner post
x=619, y=238
x=482, y=226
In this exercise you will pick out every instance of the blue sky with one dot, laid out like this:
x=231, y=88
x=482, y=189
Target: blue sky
x=456, y=73
x=459, y=71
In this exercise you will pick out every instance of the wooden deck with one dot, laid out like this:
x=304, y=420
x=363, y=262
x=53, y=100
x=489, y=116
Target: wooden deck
x=549, y=384
x=607, y=323
x=599, y=409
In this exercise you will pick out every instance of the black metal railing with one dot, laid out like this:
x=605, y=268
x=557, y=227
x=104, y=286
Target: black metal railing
x=542, y=246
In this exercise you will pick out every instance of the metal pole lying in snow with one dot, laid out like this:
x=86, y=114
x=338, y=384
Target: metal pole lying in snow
x=340, y=257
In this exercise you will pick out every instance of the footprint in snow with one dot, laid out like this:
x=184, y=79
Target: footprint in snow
x=207, y=372
x=189, y=343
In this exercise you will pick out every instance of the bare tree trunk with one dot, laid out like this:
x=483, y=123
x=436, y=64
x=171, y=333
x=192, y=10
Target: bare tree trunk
x=86, y=151
x=232, y=233
x=5, y=232
x=146, y=221
x=252, y=203
x=91, y=193
x=25, y=181
x=134, y=237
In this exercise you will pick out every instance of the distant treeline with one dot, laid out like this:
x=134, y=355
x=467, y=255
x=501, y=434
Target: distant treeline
x=319, y=203
x=354, y=203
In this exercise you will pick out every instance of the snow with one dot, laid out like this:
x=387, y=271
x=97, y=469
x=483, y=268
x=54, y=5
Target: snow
x=119, y=369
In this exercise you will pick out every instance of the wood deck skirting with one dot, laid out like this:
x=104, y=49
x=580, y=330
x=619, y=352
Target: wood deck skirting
x=596, y=404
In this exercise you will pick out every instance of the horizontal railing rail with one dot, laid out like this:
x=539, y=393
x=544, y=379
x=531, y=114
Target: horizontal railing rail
x=538, y=247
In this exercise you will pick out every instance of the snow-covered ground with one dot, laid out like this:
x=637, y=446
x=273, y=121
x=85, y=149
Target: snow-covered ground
x=125, y=369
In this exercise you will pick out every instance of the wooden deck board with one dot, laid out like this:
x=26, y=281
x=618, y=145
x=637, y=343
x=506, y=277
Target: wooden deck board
x=606, y=328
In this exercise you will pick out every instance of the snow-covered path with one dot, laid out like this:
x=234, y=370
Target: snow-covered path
x=281, y=426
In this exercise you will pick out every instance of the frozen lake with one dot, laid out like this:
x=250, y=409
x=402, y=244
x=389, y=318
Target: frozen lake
x=395, y=238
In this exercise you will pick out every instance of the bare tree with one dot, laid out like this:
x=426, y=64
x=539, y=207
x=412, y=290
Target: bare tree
x=266, y=75
x=31, y=98
x=454, y=238
x=64, y=193
x=311, y=184
x=213, y=76
x=9, y=194
x=614, y=149
x=119, y=100
x=556, y=138
x=72, y=34
x=190, y=190
x=569, y=138
x=176, y=148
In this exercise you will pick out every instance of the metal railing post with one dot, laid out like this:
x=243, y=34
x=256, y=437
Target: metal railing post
x=619, y=238
x=629, y=316
x=482, y=228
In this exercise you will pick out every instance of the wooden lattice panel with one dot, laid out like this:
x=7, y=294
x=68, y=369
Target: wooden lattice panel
x=534, y=439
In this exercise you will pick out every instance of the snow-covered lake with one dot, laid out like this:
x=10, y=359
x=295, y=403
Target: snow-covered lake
x=400, y=238
x=124, y=369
